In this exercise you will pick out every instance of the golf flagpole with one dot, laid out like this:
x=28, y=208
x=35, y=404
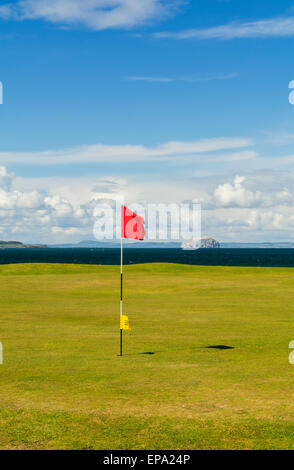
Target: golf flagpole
x=132, y=226
x=121, y=294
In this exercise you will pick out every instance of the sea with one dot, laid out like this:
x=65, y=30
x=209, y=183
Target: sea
x=263, y=257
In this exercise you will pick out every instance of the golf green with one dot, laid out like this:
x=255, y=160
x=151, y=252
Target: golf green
x=204, y=367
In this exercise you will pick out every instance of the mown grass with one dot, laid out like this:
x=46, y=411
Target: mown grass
x=64, y=387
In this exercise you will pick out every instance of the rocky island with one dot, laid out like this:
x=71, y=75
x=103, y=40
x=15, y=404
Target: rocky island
x=15, y=244
x=204, y=242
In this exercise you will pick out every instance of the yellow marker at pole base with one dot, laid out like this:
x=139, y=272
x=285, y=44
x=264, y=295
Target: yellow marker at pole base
x=124, y=323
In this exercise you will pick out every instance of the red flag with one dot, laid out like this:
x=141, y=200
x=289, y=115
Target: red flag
x=132, y=225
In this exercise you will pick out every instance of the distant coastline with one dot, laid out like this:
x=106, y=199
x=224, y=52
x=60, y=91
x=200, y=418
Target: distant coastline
x=166, y=245
x=16, y=244
x=146, y=244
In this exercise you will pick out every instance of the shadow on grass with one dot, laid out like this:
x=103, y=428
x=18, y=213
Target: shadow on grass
x=145, y=353
x=151, y=353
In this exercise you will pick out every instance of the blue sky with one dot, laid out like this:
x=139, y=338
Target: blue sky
x=94, y=91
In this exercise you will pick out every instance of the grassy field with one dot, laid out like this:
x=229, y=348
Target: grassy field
x=64, y=387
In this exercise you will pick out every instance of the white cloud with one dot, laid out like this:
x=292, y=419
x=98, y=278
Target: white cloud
x=14, y=199
x=266, y=221
x=282, y=138
x=34, y=214
x=181, y=79
x=232, y=195
x=151, y=79
x=5, y=178
x=252, y=225
x=123, y=153
x=235, y=157
x=94, y=14
x=274, y=27
x=52, y=210
x=242, y=194
x=284, y=197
